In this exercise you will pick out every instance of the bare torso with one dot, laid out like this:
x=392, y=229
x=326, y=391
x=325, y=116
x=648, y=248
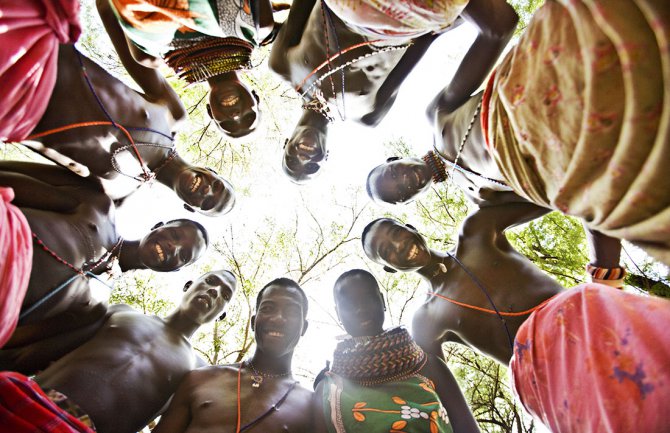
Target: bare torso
x=299, y=50
x=213, y=399
x=514, y=283
x=88, y=150
x=126, y=373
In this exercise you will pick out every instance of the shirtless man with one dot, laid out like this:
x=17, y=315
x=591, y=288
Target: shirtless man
x=73, y=219
x=236, y=397
x=370, y=84
x=104, y=151
x=127, y=371
x=556, y=336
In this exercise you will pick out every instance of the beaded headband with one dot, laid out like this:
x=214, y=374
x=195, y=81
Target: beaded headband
x=437, y=166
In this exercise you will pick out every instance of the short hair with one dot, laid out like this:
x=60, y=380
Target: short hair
x=197, y=226
x=286, y=282
x=366, y=275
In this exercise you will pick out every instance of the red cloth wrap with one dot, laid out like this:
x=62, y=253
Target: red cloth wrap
x=596, y=359
x=16, y=259
x=30, y=31
x=24, y=408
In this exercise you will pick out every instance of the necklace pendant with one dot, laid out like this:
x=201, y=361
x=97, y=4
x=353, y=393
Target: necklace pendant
x=257, y=380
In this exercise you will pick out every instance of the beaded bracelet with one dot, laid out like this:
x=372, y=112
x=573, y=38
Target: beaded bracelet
x=609, y=276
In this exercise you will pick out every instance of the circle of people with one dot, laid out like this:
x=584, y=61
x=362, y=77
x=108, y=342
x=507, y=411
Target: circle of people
x=575, y=117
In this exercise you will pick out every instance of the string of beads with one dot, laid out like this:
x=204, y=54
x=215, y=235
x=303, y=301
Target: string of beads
x=210, y=57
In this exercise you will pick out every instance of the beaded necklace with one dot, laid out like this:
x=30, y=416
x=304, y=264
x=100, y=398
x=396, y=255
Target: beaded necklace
x=257, y=377
x=209, y=57
x=170, y=156
x=388, y=357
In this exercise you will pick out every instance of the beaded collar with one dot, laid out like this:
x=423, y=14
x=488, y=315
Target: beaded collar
x=388, y=357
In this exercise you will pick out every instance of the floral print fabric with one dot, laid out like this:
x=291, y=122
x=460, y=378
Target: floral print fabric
x=579, y=116
x=595, y=359
x=406, y=406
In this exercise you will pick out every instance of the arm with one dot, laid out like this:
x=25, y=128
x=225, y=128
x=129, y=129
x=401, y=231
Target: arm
x=177, y=417
x=604, y=251
x=318, y=419
x=35, y=194
x=261, y=12
x=497, y=219
x=495, y=20
x=388, y=91
x=290, y=35
x=155, y=86
x=451, y=396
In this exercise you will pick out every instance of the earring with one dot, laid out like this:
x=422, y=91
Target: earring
x=187, y=285
x=189, y=208
x=441, y=268
x=222, y=316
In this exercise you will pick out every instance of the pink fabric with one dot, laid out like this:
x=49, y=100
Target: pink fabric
x=30, y=31
x=16, y=258
x=596, y=359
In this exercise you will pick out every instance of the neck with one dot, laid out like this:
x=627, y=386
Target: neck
x=271, y=365
x=181, y=323
x=168, y=175
x=437, y=267
x=129, y=258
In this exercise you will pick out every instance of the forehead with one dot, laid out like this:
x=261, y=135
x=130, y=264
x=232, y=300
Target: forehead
x=279, y=293
x=221, y=278
x=378, y=232
x=355, y=284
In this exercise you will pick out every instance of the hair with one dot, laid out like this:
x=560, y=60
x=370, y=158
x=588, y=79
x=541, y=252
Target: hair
x=285, y=282
x=366, y=275
x=197, y=226
x=367, y=184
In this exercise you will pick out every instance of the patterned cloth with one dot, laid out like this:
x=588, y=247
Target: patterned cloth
x=25, y=408
x=391, y=19
x=16, y=259
x=157, y=26
x=30, y=31
x=596, y=359
x=579, y=116
x=406, y=406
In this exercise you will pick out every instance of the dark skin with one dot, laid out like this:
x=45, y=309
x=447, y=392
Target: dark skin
x=232, y=105
x=514, y=282
x=134, y=362
x=371, y=85
x=88, y=151
x=206, y=400
x=75, y=219
x=360, y=307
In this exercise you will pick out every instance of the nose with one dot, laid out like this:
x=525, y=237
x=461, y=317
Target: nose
x=212, y=292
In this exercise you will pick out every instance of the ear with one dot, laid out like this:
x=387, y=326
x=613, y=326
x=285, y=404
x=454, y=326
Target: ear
x=187, y=285
x=222, y=316
x=285, y=143
x=255, y=95
x=305, y=325
x=393, y=158
x=412, y=227
x=212, y=170
x=189, y=208
x=158, y=224
x=209, y=112
x=383, y=302
x=389, y=270
x=253, y=323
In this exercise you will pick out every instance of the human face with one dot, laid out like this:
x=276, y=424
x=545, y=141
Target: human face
x=171, y=246
x=398, y=246
x=278, y=323
x=206, y=298
x=204, y=190
x=234, y=107
x=304, y=153
x=400, y=180
x=360, y=306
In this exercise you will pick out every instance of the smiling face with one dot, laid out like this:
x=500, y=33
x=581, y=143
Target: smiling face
x=171, y=246
x=206, y=298
x=205, y=191
x=234, y=107
x=400, y=180
x=360, y=306
x=390, y=243
x=304, y=153
x=279, y=322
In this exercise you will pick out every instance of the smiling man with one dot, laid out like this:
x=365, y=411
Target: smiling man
x=75, y=242
x=120, y=378
x=249, y=395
